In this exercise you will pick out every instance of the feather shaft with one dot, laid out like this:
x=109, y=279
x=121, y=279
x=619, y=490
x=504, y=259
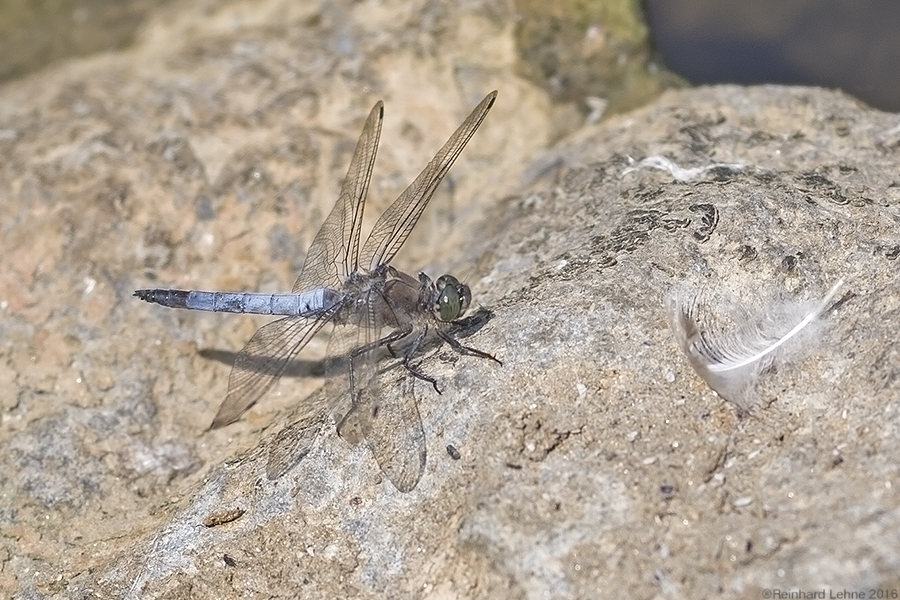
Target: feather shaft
x=732, y=361
x=809, y=318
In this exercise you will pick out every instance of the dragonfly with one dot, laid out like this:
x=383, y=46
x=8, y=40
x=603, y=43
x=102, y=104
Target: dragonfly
x=379, y=314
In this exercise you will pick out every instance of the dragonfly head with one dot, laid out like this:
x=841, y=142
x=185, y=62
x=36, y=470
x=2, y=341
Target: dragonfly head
x=453, y=298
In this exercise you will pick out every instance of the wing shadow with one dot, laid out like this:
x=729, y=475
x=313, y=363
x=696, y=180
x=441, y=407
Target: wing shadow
x=301, y=367
x=298, y=367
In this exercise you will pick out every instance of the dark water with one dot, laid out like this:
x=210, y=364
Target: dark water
x=853, y=45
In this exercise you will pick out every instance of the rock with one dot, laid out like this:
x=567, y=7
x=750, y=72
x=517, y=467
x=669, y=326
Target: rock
x=593, y=459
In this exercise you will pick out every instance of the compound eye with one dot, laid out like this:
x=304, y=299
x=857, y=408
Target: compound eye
x=453, y=298
x=448, y=303
x=465, y=298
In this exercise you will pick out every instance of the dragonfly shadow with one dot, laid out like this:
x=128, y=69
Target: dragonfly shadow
x=294, y=368
x=461, y=328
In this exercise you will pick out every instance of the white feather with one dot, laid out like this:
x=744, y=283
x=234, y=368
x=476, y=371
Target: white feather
x=678, y=173
x=731, y=362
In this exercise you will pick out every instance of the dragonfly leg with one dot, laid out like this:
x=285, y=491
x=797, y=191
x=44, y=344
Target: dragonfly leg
x=385, y=341
x=420, y=375
x=466, y=350
x=357, y=352
x=408, y=354
x=407, y=360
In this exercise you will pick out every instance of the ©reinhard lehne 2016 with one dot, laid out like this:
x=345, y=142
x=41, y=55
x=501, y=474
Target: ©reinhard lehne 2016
x=831, y=594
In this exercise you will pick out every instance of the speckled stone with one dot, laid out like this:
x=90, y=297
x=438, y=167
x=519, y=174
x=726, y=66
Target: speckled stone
x=593, y=463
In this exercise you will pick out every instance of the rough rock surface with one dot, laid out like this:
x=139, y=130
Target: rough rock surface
x=593, y=463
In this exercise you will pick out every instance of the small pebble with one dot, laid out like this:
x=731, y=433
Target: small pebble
x=453, y=452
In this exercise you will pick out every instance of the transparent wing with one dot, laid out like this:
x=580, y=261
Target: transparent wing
x=397, y=222
x=389, y=420
x=262, y=361
x=337, y=383
x=292, y=444
x=334, y=253
x=382, y=409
